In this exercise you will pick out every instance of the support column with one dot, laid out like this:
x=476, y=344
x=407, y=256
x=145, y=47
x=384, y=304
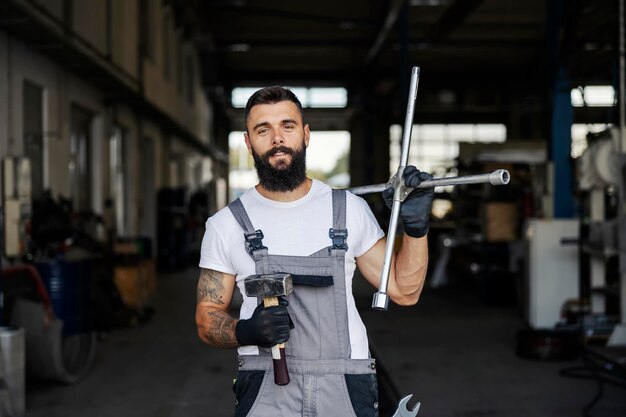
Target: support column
x=369, y=147
x=369, y=150
x=618, y=337
x=560, y=146
x=562, y=115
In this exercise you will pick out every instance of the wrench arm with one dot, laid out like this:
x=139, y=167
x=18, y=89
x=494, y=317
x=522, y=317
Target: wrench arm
x=497, y=177
x=381, y=298
x=369, y=189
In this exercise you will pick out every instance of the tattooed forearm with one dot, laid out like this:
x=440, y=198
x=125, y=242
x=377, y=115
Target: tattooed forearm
x=219, y=329
x=210, y=287
x=215, y=326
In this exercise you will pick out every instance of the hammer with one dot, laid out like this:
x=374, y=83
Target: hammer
x=270, y=287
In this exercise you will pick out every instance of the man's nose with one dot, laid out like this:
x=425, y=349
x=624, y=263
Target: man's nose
x=278, y=137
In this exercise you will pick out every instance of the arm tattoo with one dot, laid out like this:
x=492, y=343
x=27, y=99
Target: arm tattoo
x=220, y=331
x=216, y=325
x=210, y=287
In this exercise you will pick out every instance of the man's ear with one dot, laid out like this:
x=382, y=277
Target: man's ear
x=247, y=139
x=307, y=135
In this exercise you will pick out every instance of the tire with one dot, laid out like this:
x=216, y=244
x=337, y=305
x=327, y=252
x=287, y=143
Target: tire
x=78, y=352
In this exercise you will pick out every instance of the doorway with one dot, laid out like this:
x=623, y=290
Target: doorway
x=33, y=134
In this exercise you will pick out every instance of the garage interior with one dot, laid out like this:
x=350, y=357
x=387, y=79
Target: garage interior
x=117, y=120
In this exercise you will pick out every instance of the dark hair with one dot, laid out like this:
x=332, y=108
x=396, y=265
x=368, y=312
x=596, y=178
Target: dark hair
x=270, y=95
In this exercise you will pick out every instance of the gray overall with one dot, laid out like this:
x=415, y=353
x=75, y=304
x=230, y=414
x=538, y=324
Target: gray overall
x=325, y=382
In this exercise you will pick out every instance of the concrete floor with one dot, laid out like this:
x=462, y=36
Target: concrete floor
x=455, y=354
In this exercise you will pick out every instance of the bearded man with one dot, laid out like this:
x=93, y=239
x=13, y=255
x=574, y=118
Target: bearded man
x=289, y=223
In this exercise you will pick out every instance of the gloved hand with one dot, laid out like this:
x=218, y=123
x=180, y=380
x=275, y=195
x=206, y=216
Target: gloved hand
x=415, y=209
x=267, y=326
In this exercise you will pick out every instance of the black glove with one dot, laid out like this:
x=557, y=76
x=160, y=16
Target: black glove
x=415, y=209
x=267, y=326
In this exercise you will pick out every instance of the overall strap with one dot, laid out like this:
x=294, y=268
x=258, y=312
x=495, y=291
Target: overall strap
x=254, y=238
x=338, y=233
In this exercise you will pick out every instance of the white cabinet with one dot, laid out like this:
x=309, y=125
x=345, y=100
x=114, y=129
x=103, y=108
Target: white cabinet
x=552, y=268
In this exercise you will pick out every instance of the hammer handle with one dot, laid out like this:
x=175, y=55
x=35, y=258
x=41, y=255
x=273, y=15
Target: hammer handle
x=281, y=374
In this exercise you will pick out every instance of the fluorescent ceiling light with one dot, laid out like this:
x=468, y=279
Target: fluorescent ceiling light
x=314, y=97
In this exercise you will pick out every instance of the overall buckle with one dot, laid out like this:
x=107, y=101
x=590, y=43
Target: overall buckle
x=254, y=241
x=339, y=238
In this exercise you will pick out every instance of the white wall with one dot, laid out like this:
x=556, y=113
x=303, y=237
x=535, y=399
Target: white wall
x=125, y=34
x=61, y=89
x=164, y=93
x=89, y=21
x=17, y=65
x=4, y=96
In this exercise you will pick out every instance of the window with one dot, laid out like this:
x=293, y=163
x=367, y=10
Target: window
x=328, y=97
x=117, y=177
x=434, y=147
x=147, y=190
x=80, y=159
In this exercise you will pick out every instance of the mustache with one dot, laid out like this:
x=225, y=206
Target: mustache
x=278, y=149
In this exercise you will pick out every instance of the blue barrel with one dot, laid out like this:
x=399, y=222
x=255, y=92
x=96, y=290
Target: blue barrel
x=70, y=285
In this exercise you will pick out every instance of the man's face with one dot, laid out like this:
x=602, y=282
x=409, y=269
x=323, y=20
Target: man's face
x=277, y=139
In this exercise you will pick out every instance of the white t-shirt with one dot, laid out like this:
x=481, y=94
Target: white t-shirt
x=295, y=228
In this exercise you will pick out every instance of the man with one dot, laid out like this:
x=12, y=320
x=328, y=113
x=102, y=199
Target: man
x=284, y=224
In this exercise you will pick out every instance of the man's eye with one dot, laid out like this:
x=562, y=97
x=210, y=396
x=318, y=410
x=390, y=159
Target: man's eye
x=289, y=127
x=261, y=131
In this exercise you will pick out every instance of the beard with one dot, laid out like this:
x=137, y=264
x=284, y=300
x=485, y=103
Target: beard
x=285, y=176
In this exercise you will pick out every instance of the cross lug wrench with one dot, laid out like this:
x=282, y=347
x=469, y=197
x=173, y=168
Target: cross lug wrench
x=401, y=191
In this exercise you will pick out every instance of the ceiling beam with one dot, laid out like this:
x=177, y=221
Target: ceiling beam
x=452, y=18
x=390, y=21
x=241, y=77
x=292, y=15
x=415, y=44
x=497, y=79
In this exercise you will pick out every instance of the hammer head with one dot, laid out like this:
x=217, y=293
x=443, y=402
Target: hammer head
x=268, y=285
